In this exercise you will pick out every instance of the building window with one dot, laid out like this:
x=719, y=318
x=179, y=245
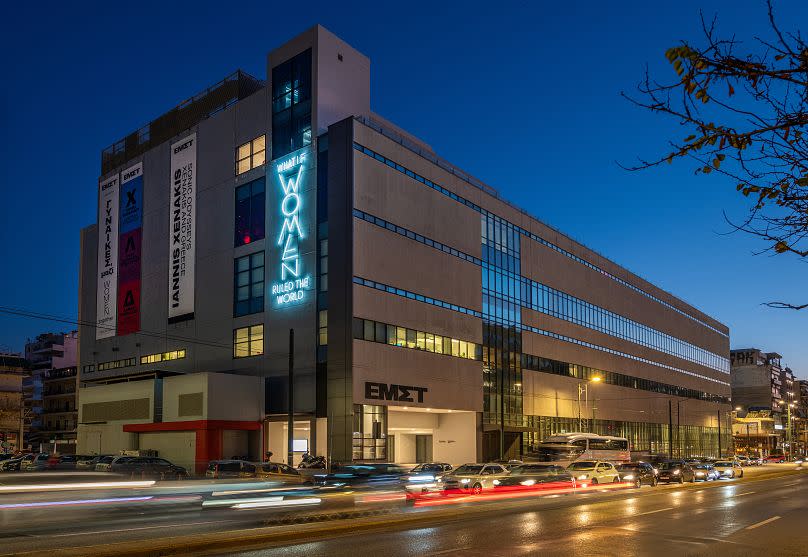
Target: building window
x=163, y=357
x=322, y=327
x=250, y=212
x=375, y=331
x=291, y=105
x=251, y=155
x=248, y=341
x=128, y=362
x=249, y=284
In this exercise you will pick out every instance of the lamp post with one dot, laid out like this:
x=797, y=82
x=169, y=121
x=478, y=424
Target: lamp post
x=583, y=389
x=788, y=428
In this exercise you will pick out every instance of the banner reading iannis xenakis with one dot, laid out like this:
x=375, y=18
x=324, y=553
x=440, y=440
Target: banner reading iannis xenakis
x=182, y=230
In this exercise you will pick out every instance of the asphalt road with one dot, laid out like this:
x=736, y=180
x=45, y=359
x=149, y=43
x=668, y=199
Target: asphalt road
x=758, y=514
x=765, y=517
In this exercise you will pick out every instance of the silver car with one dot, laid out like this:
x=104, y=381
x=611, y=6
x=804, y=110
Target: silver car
x=472, y=478
x=728, y=469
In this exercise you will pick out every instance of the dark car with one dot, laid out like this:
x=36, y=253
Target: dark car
x=218, y=469
x=675, y=471
x=358, y=475
x=64, y=462
x=147, y=467
x=638, y=473
x=14, y=464
x=536, y=477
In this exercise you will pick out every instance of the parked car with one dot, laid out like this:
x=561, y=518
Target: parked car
x=88, y=462
x=638, y=473
x=775, y=458
x=706, y=472
x=104, y=463
x=729, y=469
x=594, y=472
x=676, y=471
x=472, y=478
x=5, y=456
x=742, y=460
x=14, y=464
x=536, y=477
x=218, y=469
x=363, y=476
x=38, y=463
x=64, y=462
x=147, y=467
x=279, y=472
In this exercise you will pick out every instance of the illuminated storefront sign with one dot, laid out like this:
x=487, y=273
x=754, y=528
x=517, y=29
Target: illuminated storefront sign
x=294, y=281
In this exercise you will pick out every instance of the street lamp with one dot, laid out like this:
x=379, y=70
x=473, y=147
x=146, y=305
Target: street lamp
x=788, y=426
x=583, y=388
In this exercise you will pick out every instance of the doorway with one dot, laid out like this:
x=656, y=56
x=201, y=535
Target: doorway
x=423, y=448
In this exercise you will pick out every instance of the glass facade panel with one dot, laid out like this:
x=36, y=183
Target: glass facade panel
x=250, y=212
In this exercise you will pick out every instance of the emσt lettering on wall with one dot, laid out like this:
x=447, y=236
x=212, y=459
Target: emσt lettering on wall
x=391, y=391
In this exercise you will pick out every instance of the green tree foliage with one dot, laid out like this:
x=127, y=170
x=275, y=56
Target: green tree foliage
x=744, y=109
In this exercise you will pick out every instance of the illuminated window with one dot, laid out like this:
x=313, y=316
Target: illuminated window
x=291, y=105
x=251, y=155
x=375, y=331
x=322, y=329
x=248, y=341
x=163, y=357
x=250, y=212
x=115, y=364
x=249, y=284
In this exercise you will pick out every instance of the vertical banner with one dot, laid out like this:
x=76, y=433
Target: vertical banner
x=129, y=252
x=107, y=287
x=182, y=230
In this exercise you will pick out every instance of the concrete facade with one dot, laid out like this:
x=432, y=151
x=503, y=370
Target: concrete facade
x=438, y=321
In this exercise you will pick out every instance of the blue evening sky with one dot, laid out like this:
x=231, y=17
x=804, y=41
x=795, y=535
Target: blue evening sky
x=524, y=95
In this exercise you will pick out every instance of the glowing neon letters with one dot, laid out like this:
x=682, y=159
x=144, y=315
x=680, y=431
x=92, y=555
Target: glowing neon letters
x=292, y=285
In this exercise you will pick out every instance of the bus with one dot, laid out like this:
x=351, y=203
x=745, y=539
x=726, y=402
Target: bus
x=566, y=448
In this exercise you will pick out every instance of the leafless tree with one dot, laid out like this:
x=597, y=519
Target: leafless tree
x=744, y=109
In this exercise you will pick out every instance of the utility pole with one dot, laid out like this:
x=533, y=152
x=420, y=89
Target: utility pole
x=290, y=438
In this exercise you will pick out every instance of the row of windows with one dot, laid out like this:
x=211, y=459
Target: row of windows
x=414, y=296
x=520, y=326
x=414, y=236
x=251, y=155
x=618, y=353
x=474, y=206
x=374, y=331
x=115, y=364
x=555, y=367
x=520, y=291
x=509, y=290
x=248, y=341
x=163, y=357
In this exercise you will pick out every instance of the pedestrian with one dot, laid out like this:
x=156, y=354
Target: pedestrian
x=268, y=456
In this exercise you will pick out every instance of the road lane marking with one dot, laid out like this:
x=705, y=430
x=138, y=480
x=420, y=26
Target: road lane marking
x=763, y=523
x=656, y=511
x=746, y=493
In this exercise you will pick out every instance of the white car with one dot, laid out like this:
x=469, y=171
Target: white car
x=472, y=478
x=728, y=469
x=594, y=472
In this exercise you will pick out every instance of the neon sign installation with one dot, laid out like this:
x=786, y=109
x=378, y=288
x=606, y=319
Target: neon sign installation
x=292, y=285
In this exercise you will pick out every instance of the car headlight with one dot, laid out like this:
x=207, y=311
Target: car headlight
x=421, y=478
x=656, y=470
x=699, y=473
x=628, y=477
x=527, y=482
x=465, y=481
x=676, y=472
x=583, y=476
x=495, y=482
